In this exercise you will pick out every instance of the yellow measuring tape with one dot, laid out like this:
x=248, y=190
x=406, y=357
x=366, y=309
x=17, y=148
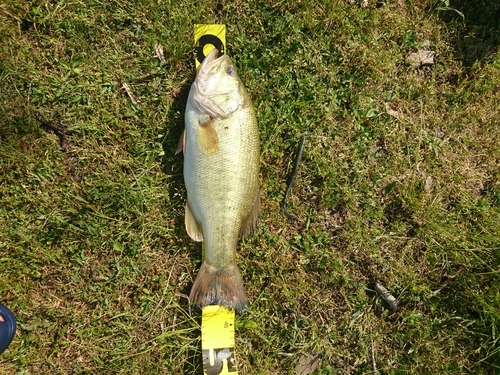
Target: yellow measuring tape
x=217, y=341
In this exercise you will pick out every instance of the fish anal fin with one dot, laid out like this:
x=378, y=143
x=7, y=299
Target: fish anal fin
x=207, y=139
x=192, y=226
x=181, y=146
x=250, y=223
x=222, y=287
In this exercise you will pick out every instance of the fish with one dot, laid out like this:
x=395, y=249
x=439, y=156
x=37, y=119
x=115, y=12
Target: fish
x=221, y=148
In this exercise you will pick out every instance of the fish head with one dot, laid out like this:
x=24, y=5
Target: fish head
x=218, y=90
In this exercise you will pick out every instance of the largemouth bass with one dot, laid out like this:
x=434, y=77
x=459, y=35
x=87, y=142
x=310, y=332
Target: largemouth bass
x=221, y=172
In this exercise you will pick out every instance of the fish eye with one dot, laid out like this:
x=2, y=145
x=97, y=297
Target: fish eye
x=229, y=69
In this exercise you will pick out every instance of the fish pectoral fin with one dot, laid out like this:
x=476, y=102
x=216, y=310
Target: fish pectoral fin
x=250, y=223
x=181, y=146
x=192, y=226
x=207, y=139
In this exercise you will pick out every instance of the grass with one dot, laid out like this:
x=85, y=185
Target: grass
x=94, y=259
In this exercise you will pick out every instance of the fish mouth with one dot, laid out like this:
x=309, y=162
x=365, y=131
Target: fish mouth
x=209, y=62
x=212, y=62
x=212, y=56
x=208, y=66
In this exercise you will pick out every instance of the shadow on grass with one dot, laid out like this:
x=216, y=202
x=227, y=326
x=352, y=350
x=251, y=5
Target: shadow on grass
x=172, y=164
x=477, y=34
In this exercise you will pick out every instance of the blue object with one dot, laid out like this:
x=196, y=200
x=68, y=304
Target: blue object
x=7, y=327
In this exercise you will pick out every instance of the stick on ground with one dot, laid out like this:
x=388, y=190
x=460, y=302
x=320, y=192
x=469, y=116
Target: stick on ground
x=386, y=295
x=298, y=157
x=60, y=132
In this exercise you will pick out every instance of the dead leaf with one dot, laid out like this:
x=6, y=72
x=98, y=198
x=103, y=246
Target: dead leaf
x=126, y=87
x=421, y=58
x=429, y=181
x=391, y=111
x=440, y=133
x=308, y=363
x=159, y=53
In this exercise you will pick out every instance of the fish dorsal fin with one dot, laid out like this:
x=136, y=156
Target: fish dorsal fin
x=207, y=139
x=250, y=223
x=192, y=226
x=181, y=146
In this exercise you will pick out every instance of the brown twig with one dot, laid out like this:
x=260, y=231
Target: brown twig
x=386, y=295
x=300, y=150
x=127, y=89
x=60, y=132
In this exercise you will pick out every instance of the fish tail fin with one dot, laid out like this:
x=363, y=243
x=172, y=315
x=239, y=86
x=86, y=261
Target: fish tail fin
x=222, y=287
